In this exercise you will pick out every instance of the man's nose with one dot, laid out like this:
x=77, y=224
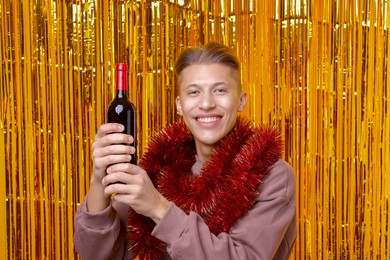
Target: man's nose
x=207, y=101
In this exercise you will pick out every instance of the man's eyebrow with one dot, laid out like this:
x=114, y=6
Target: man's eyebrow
x=220, y=83
x=191, y=85
x=215, y=84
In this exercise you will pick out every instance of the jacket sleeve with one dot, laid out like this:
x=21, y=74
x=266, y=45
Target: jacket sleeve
x=267, y=231
x=101, y=235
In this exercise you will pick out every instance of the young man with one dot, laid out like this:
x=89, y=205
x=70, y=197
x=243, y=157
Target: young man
x=209, y=187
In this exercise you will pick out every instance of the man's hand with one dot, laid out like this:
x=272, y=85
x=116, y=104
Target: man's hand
x=136, y=190
x=109, y=148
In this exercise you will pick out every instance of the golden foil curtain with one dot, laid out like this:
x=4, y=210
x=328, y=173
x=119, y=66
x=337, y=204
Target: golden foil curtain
x=318, y=70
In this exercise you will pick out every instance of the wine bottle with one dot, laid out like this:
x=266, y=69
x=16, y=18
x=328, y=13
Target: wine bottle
x=120, y=109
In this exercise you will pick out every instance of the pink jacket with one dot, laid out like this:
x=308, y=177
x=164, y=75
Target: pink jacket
x=268, y=231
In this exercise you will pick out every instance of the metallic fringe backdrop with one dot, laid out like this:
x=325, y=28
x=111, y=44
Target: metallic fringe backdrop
x=318, y=70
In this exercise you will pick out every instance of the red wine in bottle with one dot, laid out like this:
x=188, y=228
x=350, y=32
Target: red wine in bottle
x=121, y=110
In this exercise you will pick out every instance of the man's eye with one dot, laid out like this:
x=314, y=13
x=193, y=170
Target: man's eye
x=192, y=92
x=220, y=90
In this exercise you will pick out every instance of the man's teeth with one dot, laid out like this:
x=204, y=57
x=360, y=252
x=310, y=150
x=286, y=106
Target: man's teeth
x=207, y=119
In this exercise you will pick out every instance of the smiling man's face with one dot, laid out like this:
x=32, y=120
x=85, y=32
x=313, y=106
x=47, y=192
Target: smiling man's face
x=209, y=100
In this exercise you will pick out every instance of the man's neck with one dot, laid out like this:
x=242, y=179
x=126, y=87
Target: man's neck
x=204, y=151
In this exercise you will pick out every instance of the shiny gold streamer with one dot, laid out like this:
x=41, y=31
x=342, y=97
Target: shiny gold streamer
x=318, y=70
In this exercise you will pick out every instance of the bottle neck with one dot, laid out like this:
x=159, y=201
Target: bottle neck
x=121, y=93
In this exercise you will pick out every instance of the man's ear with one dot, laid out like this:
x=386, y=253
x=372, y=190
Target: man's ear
x=178, y=106
x=243, y=98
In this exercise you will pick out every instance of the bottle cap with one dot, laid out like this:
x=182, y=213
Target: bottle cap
x=121, y=76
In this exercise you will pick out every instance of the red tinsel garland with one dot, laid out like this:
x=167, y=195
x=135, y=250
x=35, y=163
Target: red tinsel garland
x=224, y=191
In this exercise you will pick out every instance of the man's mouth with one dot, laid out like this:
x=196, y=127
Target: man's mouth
x=207, y=119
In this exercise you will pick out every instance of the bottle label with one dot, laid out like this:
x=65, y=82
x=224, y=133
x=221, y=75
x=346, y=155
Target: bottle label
x=118, y=109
